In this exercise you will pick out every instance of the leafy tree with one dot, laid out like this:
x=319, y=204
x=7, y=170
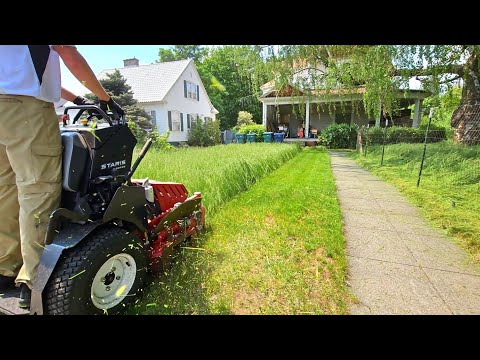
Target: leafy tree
x=228, y=74
x=165, y=55
x=116, y=86
x=182, y=52
x=381, y=70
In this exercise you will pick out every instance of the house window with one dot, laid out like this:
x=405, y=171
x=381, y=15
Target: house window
x=191, y=90
x=206, y=118
x=192, y=118
x=176, y=121
x=153, y=114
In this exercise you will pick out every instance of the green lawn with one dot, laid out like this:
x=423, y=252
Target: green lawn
x=276, y=249
x=449, y=192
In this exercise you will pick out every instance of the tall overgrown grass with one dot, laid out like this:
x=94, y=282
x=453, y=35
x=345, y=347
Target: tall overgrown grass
x=219, y=172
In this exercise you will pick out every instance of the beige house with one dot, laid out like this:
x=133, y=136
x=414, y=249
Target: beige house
x=295, y=115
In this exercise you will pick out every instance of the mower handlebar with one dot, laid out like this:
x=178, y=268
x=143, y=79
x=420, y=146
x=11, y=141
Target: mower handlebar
x=98, y=112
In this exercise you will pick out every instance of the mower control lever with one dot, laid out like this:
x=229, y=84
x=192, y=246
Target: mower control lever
x=83, y=108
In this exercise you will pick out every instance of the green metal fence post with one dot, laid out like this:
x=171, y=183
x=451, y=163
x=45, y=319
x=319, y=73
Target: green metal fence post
x=424, y=146
x=384, y=140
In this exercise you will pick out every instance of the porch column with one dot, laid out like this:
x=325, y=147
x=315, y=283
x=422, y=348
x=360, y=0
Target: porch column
x=417, y=113
x=307, y=119
x=264, y=115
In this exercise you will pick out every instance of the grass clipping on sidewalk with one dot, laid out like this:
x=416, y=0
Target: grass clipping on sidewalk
x=276, y=249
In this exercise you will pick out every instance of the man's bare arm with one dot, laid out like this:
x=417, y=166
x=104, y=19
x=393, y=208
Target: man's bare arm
x=68, y=95
x=79, y=67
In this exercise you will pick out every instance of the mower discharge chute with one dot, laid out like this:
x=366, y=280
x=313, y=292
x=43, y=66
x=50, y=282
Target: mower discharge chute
x=109, y=230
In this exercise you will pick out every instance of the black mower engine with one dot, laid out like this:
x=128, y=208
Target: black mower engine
x=96, y=161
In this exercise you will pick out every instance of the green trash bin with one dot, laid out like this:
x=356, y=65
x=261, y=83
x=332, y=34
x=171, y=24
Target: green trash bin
x=251, y=138
x=268, y=137
x=241, y=138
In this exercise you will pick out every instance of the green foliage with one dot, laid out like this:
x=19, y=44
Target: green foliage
x=137, y=131
x=339, y=136
x=228, y=74
x=160, y=141
x=253, y=129
x=182, y=52
x=399, y=134
x=204, y=133
x=244, y=118
x=445, y=104
x=140, y=117
x=165, y=55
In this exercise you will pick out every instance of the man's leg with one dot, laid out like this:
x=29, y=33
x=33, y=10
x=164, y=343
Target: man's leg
x=10, y=254
x=34, y=150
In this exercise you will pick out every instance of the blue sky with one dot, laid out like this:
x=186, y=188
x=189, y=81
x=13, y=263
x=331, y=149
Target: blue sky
x=102, y=57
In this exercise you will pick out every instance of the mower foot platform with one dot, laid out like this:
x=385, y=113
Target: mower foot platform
x=9, y=303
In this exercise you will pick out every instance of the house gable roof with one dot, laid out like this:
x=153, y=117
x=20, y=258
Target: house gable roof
x=151, y=83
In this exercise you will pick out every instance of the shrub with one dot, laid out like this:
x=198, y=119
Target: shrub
x=253, y=129
x=204, y=133
x=137, y=131
x=244, y=118
x=160, y=141
x=339, y=136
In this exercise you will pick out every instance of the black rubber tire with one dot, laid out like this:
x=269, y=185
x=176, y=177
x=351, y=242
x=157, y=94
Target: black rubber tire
x=67, y=294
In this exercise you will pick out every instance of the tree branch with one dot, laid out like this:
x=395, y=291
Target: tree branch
x=432, y=70
x=309, y=68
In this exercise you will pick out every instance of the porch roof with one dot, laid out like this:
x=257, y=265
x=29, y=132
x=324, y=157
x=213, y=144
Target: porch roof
x=335, y=95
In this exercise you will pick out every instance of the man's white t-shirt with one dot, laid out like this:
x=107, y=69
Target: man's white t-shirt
x=30, y=71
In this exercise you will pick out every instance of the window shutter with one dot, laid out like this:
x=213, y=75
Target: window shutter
x=188, y=121
x=198, y=93
x=185, y=88
x=170, y=120
x=181, y=121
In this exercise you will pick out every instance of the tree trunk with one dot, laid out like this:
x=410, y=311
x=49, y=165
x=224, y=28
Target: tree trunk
x=466, y=119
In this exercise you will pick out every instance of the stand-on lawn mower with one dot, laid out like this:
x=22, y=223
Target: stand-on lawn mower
x=110, y=230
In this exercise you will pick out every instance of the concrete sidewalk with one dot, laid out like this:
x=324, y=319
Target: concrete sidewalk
x=399, y=264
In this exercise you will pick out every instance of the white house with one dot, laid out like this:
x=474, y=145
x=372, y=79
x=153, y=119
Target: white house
x=171, y=92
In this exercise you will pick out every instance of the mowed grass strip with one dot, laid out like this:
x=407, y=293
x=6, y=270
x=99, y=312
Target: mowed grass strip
x=219, y=172
x=276, y=249
x=449, y=192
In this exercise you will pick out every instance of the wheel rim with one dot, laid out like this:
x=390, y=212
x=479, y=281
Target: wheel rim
x=113, y=281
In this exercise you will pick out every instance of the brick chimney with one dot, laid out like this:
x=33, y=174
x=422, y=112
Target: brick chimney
x=130, y=62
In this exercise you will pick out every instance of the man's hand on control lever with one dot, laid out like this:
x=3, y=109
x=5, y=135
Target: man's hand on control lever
x=80, y=100
x=112, y=106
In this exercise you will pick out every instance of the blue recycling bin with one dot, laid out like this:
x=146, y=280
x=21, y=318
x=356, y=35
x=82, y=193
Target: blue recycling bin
x=278, y=137
x=241, y=138
x=268, y=137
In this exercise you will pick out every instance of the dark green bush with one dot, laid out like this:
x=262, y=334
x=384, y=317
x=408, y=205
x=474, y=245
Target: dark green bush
x=339, y=136
x=204, y=133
